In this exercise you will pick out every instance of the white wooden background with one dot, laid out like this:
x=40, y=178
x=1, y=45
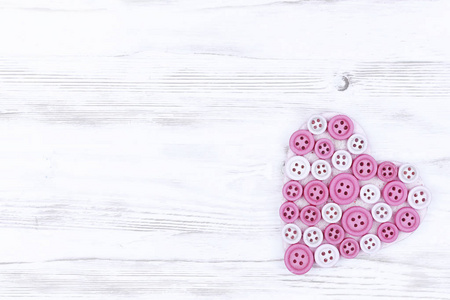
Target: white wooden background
x=142, y=142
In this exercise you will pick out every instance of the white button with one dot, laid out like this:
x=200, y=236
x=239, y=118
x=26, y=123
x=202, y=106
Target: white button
x=321, y=169
x=370, y=243
x=357, y=144
x=326, y=256
x=341, y=160
x=297, y=167
x=369, y=193
x=331, y=212
x=419, y=197
x=317, y=124
x=291, y=233
x=408, y=173
x=312, y=237
x=381, y=212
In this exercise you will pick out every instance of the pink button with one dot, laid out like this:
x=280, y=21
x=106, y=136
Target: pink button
x=301, y=142
x=310, y=215
x=407, y=219
x=324, y=148
x=349, y=248
x=334, y=234
x=344, y=188
x=387, y=232
x=298, y=259
x=340, y=127
x=316, y=192
x=289, y=212
x=292, y=190
x=364, y=167
x=357, y=221
x=387, y=171
x=395, y=193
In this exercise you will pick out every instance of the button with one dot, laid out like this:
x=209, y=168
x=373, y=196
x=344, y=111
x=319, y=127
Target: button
x=326, y=256
x=341, y=160
x=331, y=212
x=349, y=248
x=321, y=169
x=324, y=148
x=407, y=219
x=292, y=190
x=381, y=212
x=301, y=142
x=291, y=233
x=344, y=188
x=394, y=193
x=370, y=243
x=312, y=237
x=419, y=197
x=316, y=192
x=357, y=144
x=298, y=259
x=387, y=171
x=297, y=168
x=370, y=193
x=289, y=212
x=357, y=221
x=340, y=127
x=364, y=167
x=334, y=234
x=408, y=173
x=387, y=232
x=317, y=124
x=310, y=215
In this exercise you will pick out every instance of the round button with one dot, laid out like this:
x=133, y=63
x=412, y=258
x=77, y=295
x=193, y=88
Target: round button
x=291, y=233
x=349, y=248
x=298, y=259
x=317, y=124
x=387, y=232
x=419, y=197
x=301, y=142
x=316, y=192
x=324, y=148
x=387, y=171
x=394, y=193
x=407, y=219
x=321, y=169
x=357, y=144
x=340, y=127
x=312, y=237
x=326, y=256
x=381, y=212
x=341, y=160
x=289, y=212
x=297, y=168
x=370, y=193
x=292, y=190
x=357, y=221
x=310, y=215
x=370, y=243
x=331, y=212
x=408, y=173
x=334, y=234
x=364, y=167
x=344, y=188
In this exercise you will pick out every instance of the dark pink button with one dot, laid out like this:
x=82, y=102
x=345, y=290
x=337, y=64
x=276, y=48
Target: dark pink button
x=407, y=219
x=324, y=148
x=292, y=190
x=301, y=142
x=298, y=259
x=316, y=192
x=357, y=221
x=310, y=215
x=364, y=167
x=395, y=193
x=340, y=127
x=344, y=188
x=387, y=171
x=349, y=248
x=334, y=234
x=387, y=232
x=289, y=212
